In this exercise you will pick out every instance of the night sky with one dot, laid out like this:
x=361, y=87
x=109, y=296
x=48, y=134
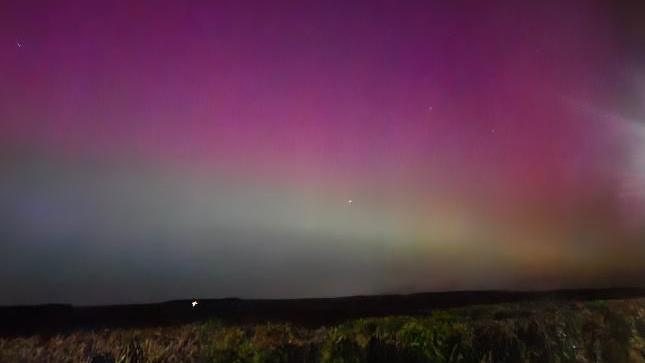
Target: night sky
x=166, y=150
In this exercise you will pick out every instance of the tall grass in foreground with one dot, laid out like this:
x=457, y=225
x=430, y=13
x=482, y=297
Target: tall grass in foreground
x=601, y=331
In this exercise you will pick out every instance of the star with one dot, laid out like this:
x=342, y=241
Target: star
x=19, y=44
x=349, y=201
x=194, y=303
x=492, y=131
x=429, y=108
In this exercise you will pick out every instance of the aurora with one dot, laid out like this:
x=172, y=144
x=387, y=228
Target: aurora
x=159, y=150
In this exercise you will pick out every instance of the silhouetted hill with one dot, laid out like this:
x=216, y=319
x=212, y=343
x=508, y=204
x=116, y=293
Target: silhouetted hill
x=48, y=319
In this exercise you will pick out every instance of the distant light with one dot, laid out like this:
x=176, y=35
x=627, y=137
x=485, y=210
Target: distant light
x=194, y=303
x=492, y=131
x=19, y=44
x=429, y=108
x=349, y=201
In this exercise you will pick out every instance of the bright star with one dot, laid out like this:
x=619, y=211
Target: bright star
x=194, y=303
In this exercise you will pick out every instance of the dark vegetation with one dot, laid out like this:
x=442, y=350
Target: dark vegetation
x=539, y=330
x=51, y=319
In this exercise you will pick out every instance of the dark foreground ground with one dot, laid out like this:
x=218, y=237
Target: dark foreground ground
x=52, y=319
x=562, y=326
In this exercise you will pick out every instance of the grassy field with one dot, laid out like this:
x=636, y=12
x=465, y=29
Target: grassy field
x=547, y=331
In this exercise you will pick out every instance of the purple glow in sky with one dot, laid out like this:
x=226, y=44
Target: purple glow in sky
x=163, y=149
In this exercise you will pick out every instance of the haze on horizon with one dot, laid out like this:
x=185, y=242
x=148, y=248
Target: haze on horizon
x=165, y=150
